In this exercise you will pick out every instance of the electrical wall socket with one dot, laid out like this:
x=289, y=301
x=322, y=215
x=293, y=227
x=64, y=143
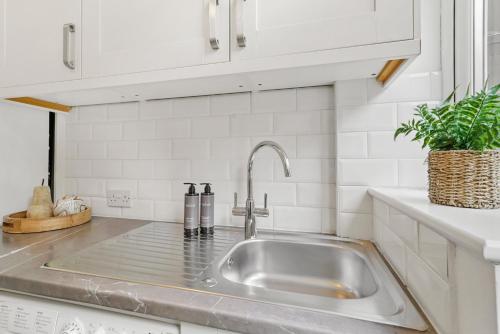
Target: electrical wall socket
x=118, y=198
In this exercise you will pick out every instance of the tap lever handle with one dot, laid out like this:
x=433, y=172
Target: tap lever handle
x=265, y=200
x=235, y=199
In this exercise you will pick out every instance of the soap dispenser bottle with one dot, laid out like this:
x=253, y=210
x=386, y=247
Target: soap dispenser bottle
x=191, y=211
x=207, y=210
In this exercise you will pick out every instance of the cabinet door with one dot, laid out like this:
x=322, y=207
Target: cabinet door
x=278, y=27
x=144, y=35
x=35, y=39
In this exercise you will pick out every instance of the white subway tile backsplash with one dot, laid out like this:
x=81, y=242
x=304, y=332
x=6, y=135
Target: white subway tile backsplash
x=71, y=150
x=316, y=195
x=227, y=104
x=191, y=106
x=297, y=123
x=91, y=150
x=263, y=170
x=251, y=125
x=91, y=187
x=154, y=189
x=315, y=98
x=352, y=145
x=71, y=186
x=374, y=172
x=328, y=170
x=297, y=219
x=407, y=87
x=230, y=148
x=169, y=211
x=351, y=93
x=371, y=117
x=394, y=249
x=210, y=170
x=316, y=146
x=96, y=113
x=107, y=168
x=78, y=168
x=328, y=221
x=171, y=169
x=155, y=149
x=123, y=111
x=122, y=184
x=213, y=126
x=156, y=109
x=100, y=208
x=222, y=215
x=404, y=227
x=354, y=199
x=383, y=145
x=139, y=130
x=412, y=173
x=278, y=193
x=138, y=169
x=381, y=210
x=302, y=170
x=190, y=149
x=150, y=148
x=328, y=121
x=433, y=249
x=107, y=131
x=432, y=292
x=274, y=101
x=78, y=132
x=173, y=128
x=122, y=150
x=355, y=225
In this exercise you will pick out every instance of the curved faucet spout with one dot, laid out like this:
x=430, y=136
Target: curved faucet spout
x=282, y=154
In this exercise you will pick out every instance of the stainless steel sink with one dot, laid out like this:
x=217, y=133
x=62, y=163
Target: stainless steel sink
x=318, y=272
x=311, y=269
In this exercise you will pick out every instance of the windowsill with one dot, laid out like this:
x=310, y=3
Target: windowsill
x=474, y=229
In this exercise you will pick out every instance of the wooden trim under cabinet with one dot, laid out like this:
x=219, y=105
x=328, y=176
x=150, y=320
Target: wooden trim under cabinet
x=40, y=103
x=389, y=69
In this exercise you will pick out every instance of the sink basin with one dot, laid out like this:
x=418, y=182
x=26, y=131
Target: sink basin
x=312, y=269
x=317, y=272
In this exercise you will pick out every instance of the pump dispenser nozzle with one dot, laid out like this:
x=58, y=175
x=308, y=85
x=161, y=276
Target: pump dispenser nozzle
x=207, y=189
x=192, y=188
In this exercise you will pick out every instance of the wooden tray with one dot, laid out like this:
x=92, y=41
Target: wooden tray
x=18, y=223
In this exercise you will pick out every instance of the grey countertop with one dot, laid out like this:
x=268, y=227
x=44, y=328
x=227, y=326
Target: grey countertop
x=22, y=258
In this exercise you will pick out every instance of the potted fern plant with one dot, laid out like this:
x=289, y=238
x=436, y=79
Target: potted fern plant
x=464, y=143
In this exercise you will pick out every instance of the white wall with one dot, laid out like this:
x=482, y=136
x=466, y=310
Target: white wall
x=24, y=142
x=368, y=114
x=151, y=148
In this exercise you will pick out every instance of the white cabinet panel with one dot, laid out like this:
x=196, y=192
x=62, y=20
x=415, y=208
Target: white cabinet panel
x=135, y=36
x=278, y=27
x=31, y=41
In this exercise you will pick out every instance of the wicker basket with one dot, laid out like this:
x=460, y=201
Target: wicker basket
x=467, y=179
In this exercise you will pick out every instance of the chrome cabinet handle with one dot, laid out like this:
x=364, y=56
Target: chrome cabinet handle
x=241, y=39
x=212, y=22
x=69, y=45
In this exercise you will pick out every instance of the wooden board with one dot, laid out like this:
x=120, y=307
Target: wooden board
x=18, y=223
x=40, y=103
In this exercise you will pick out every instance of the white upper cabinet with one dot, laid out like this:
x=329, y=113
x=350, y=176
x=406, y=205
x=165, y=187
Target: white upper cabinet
x=39, y=41
x=264, y=28
x=145, y=35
